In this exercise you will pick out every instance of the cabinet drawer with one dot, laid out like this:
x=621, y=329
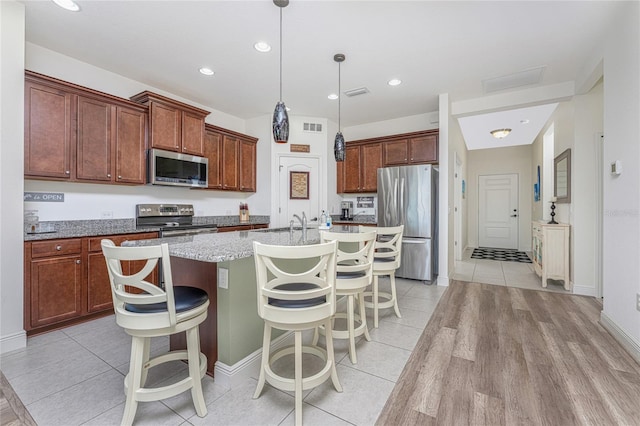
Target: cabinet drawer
x=94, y=242
x=56, y=247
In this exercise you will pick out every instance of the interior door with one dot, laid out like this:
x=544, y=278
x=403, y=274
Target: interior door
x=289, y=206
x=498, y=211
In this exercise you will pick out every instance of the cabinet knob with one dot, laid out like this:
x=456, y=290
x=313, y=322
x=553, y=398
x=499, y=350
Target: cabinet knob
x=78, y=261
x=119, y=177
x=108, y=175
x=66, y=172
x=58, y=248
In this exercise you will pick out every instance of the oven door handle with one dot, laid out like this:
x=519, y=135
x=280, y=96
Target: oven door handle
x=183, y=232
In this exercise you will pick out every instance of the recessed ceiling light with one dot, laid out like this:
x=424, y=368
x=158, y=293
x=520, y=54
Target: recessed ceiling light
x=262, y=46
x=525, y=121
x=206, y=71
x=67, y=4
x=394, y=82
x=333, y=96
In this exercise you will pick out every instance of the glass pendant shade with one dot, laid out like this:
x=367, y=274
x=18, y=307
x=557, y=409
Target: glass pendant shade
x=280, y=123
x=338, y=147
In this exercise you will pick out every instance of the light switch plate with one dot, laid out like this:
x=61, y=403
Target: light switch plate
x=223, y=278
x=638, y=301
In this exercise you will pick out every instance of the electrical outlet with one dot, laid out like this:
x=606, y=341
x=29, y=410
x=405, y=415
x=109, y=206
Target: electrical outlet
x=223, y=278
x=638, y=301
x=107, y=215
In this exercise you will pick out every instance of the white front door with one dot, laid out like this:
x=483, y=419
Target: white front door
x=498, y=211
x=288, y=206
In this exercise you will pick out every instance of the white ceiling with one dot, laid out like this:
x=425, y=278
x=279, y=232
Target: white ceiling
x=433, y=47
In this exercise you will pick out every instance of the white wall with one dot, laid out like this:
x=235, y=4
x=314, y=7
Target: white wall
x=12, y=335
x=413, y=123
x=497, y=161
x=621, y=193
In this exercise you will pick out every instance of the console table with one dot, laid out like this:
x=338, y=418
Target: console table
x=550, y=245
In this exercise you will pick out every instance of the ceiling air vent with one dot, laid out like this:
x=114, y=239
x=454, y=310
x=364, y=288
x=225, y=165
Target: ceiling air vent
x=355, y=92
x=312, y=127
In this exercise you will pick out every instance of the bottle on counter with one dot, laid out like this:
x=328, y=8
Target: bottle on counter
x=323, y=218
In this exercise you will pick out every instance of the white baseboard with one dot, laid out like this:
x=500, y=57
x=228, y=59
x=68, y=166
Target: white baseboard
x=584, y=290
x=233, y=375
x=443, y=281
x=13, y=342
x=623, y=338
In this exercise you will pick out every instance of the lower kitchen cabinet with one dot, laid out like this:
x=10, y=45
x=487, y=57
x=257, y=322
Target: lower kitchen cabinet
x=247, y=227
x=66, y=280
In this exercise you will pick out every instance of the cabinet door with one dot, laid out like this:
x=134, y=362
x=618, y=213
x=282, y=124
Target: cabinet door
x=213, y=152
x=56, y=289
x=423, y=150
x=48, y=131
x=98, y=287
x=130, y=146
x=340, y=177
x=371, y=162
x=93, y=158
x=352, y=169
x=230, y=163
x=247, y=166
x=396, y=153
x=192, y=134
x=165, y=123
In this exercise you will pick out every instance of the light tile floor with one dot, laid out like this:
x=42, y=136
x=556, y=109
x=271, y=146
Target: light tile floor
x=510, y=274
x=75, y=376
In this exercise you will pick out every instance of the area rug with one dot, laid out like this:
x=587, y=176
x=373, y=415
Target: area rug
x=500, y=254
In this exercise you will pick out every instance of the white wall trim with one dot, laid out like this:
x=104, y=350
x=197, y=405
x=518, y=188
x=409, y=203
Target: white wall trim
x=584, y=290
x=12, y=342
x=623, y=338
x=443, y=281
x=231, y=376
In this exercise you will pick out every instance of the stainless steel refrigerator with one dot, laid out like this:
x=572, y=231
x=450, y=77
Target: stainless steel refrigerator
x=408, y=195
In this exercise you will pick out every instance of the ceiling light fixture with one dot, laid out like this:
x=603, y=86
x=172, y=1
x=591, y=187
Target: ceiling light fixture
x=394, y=82
x=280, y=122
x=206, y=71
x=338, y=144
x=262, y=46
x=500, y=133
x=333, y=96
x=67, y=4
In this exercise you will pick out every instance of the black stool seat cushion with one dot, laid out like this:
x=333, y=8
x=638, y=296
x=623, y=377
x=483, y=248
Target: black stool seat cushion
x=351, y=275
x=186, y=298
x=304, y=303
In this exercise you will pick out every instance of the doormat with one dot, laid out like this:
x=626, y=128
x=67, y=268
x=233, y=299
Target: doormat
x=500, y=254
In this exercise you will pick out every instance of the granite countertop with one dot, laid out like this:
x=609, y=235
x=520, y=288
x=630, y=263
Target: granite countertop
x=236, y=245
x=94, y=228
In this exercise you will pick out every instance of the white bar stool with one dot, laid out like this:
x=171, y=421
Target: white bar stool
x=296, y=292
x=354, y=274
x=151, y=313
x=387, y=259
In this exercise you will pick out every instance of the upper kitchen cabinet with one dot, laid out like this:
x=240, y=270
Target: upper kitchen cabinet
x=413, y=148
x=232, y=159
x=78, y=134
x=174, y=126
x=363, y=158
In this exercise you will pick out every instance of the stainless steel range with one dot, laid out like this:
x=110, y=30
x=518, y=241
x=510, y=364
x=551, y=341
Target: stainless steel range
x=173, y=219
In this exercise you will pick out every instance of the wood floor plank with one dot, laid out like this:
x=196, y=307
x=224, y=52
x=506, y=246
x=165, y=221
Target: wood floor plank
x=488, y=365
x=467, y=336
x=487, y=410
x=456, y=403
x=537, y=305
x=560, y=308
x=517, y=299
x=533, y=344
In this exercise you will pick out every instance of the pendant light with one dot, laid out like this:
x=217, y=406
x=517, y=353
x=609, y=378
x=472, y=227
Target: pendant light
x=338, y=144
x=280, y=122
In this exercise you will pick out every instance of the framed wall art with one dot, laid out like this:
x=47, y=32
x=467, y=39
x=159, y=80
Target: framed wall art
x=299, y=185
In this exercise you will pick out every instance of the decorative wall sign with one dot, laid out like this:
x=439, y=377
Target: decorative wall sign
x=299, y=185
x=364, y=202
x=299, y=148
x=47, y=197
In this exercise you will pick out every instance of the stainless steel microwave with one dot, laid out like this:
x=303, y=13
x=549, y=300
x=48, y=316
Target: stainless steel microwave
x=175, y=169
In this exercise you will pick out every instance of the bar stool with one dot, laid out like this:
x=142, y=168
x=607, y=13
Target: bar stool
x=151, y=313
x=354, y=274
x=386, y=260
x=296, y=292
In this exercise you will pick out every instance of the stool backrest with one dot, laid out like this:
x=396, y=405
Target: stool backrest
x=355, y=258
x=388, y=247
x=123, y=283
x=300, y=278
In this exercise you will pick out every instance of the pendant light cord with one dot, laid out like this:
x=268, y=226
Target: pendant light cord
x=280, y=54
x=339, y=95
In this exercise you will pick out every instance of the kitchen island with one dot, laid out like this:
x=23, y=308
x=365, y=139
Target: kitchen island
x=223, y=265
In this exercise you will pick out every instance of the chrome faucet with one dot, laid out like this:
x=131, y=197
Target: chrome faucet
x=303, y=221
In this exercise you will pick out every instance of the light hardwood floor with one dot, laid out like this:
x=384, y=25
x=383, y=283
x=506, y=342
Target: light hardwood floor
x=494, y=355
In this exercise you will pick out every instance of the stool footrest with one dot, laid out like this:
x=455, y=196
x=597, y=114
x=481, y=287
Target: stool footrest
x=388, y=301
x=288, y=384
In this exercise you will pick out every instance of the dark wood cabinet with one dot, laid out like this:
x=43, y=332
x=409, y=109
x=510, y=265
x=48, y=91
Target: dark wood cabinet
x=363, y=158
x=49, y=118
x=77, y=134
x=174, y=126
x=66, y=280
x=247, y=227
x=232, y=159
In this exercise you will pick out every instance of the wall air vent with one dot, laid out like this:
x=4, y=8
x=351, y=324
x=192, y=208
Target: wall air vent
x=355, y=92
x=312, y=127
